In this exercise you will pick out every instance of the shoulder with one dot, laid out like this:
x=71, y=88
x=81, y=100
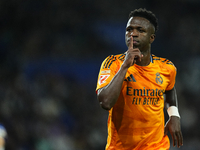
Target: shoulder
x=116, y=57
x=164, y=63
x=113, y=59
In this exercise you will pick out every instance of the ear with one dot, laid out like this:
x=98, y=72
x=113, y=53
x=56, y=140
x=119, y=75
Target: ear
x=152, y=38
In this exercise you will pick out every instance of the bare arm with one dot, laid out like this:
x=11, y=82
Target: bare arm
x=109, y=94
x=171, y=98
x=173, y=124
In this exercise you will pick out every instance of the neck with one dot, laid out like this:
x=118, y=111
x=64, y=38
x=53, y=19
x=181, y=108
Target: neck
x=146, y=59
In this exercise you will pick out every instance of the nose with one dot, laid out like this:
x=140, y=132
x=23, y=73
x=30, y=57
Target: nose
x=134, y=33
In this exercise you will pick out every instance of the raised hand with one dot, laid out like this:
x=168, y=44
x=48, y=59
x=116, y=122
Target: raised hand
x=132, y=54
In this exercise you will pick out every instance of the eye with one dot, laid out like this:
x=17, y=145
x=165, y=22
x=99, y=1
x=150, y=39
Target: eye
x=128, y=29
x=141, y=30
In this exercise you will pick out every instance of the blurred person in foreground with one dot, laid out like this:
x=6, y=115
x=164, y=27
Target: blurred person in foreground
x=3, y=135
x=132, y=86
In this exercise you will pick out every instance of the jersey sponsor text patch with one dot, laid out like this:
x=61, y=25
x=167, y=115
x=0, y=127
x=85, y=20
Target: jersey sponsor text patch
x=102, y=79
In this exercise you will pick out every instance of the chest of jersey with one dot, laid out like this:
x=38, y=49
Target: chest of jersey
x=146, y=81
x=143, y=87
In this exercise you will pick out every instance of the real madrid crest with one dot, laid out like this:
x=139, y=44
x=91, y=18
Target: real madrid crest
x=159, y=79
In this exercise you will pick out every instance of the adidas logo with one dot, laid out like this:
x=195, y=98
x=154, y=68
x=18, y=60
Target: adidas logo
x=130, y=78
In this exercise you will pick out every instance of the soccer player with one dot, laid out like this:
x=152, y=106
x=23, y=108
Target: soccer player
x=132, y=87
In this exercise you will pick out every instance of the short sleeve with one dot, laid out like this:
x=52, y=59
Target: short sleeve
x=172, y=72
x=109, y=68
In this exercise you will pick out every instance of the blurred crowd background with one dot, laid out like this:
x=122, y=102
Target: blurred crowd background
x=50, y=55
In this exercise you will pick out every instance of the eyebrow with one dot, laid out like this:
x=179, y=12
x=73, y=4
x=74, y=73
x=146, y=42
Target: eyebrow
x=137, y=27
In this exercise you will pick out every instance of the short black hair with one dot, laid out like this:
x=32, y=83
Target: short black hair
x=142, y=12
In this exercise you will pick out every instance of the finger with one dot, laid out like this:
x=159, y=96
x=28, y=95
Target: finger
x=138, y=56
x=180, y=139
x=141, y=57
x=130, y=43
x=174, y=139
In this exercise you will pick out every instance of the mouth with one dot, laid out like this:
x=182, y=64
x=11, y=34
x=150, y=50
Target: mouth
x=135, y=42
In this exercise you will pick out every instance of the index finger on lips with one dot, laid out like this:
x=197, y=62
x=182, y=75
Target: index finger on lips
x=130, y=42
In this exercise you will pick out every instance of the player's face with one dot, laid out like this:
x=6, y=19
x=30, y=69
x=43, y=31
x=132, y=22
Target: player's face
x=142, y=32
